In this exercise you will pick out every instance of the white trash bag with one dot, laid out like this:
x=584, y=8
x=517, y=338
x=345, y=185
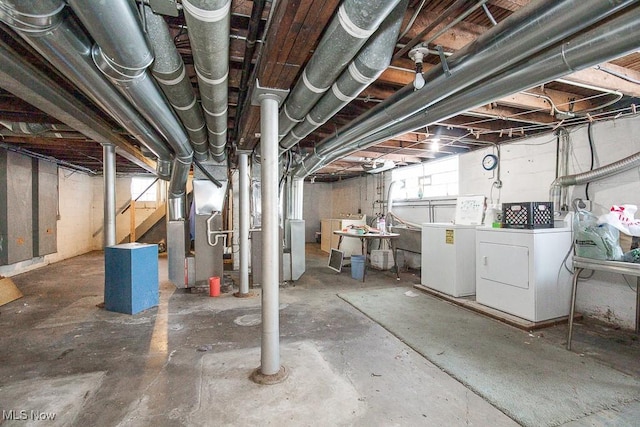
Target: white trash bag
x=622, y=218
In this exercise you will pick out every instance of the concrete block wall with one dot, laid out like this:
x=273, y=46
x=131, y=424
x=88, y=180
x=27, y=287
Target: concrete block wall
x=528, y=169
x=317, y=204
x=74, y=225
x=331, y=200
x=80, y=217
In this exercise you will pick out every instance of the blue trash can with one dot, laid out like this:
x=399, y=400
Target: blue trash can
x=357, y=266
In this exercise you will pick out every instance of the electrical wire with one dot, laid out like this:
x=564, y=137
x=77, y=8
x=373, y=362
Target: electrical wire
x=617, y=74
x=629, y=284
x=412, y=20
x=590, y=137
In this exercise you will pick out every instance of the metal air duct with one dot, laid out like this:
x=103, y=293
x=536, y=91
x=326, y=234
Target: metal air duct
x=169, y=71
x=208, y=22
x=529, y=30
x=372, y=60
x=30, y=84
x=123, y=56
x=612, y=39
x=349, y=30
x=614, y=168
x=26, y=128
x=45, y=26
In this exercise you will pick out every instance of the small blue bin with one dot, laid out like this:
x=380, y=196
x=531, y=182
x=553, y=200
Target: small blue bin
x=357, y=266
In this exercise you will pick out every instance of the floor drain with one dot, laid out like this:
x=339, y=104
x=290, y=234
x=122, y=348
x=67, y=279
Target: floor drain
x=248, y=320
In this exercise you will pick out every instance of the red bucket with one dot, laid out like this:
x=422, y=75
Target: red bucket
x=214, y=286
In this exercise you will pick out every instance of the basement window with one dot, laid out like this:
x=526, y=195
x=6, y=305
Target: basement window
x=436, y=178
x=142, y=189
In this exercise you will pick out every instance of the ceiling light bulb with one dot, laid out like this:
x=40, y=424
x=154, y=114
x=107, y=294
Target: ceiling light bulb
x=435, y=145
x=418, y=81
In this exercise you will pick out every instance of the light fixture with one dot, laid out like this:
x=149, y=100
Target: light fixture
x=377, y=165
x=417, y=55
x=418, y=80
x=435, y=144
x=313, y=179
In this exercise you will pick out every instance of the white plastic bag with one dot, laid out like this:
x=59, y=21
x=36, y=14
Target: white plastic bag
x=593, y=240
x=622, y=218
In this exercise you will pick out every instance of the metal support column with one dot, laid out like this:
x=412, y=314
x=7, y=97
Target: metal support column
x=270, y=370
x=109, y=174
x=243, y=241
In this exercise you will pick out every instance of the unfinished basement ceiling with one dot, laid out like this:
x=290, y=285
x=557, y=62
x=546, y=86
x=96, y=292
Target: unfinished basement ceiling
x=288, y=34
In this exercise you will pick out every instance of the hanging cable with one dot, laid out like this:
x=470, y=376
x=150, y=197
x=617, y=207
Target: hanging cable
x=412, y=20
x=590, y=137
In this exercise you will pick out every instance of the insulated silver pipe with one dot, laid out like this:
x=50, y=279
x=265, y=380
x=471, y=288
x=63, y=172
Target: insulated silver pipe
x=123, y=56
x=348, y=31
x=372, y=60
x=208, y=22
x=269, y=170
x=169, y=71
x=45, y=26
x=529, y=30
x=23, y=80
x=27, y=128
x=612, y=39
x=109, y=176
x=245, y=217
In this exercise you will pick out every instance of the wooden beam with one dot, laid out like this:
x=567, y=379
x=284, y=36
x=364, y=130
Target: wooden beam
x=511, y=5
x=507, y=113
x=599, y=78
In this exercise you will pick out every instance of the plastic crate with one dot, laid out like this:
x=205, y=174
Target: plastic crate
x=527, y=215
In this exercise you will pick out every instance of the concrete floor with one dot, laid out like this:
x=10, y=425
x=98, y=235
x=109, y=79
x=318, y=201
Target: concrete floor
x=187, y=362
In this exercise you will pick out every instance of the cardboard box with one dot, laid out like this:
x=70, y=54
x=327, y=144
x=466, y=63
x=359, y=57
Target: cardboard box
x=8, y=291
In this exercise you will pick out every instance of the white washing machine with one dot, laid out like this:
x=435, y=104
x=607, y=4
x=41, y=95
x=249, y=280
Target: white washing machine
x=520, y=272
x=449, y=258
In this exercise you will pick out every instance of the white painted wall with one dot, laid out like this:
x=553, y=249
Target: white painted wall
x=350, y=196
x=75, y=225
x=317, y=204
x=527, y=170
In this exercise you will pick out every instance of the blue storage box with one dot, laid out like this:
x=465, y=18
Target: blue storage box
x=131, y=277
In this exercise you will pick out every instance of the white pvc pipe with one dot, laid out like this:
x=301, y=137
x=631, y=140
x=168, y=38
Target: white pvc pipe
x=109, y=175
x=243, y=240
x=270, y=350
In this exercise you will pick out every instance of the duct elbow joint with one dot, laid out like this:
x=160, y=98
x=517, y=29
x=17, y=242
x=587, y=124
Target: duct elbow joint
x=115, y=71
x=555, y=194
x=32, y=23
x=163, y=169
x=176, y=207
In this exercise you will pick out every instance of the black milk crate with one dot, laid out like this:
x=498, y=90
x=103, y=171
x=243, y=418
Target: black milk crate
x=527, y=215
